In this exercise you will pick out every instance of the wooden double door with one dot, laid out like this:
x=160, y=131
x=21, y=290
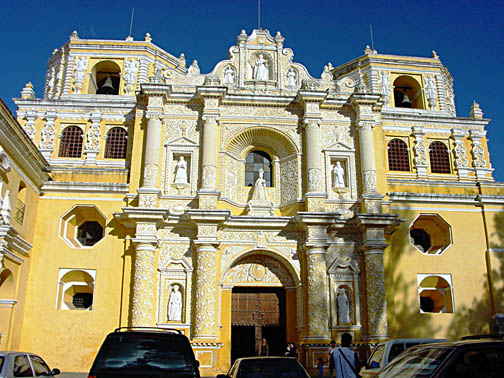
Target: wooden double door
x=257, y=313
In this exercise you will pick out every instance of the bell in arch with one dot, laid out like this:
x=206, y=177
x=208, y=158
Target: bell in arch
x=107, y=87
x=405, y=102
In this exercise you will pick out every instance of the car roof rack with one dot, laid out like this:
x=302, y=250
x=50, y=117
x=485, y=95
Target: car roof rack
x=156, y=329
x=487, y=336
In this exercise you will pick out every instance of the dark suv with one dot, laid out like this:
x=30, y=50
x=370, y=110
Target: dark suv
x=471, y=357
x=145, y=352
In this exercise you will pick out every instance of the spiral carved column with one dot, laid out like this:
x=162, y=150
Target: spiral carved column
x=317, y=289
x=143, y=287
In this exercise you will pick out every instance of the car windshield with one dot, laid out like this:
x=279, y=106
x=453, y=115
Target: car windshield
x=137, y=351
x=418, y=363
x=1, y=362
x=270, y=368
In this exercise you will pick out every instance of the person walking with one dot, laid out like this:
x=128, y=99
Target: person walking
x=332, y=348
x=264, y=351
x=346, y=361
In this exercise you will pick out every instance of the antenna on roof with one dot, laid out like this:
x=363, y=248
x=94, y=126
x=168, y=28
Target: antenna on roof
x=131, y=22
x=371, y=32
x=259, y=14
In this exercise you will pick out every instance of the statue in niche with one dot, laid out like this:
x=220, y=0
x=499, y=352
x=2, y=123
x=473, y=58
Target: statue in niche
x=229, y=76
x=339, y=176
x=175, y=305
x=291, y=81
x=261, y=68
x=259, y=193
x=343, y=307
x=181, y=175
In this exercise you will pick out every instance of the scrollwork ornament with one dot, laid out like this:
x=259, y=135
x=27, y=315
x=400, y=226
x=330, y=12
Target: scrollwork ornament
x=420, y=152
x=460, y=153
x=148, y=200
x=47, y=137
x=93, y=138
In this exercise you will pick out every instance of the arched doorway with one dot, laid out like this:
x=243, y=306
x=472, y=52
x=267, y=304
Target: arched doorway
x=263, y=303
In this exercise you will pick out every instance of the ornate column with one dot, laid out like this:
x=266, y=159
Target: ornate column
x=29, y=126
x=317, y=294
x=208, y=174
x=152, y=148
x=205, y=325
x=461, y=162
x=46, y=145
x=311, y=99
x=93, y=137
x=205, y=300
x=373, y=230
x=144, y=278
x=478, y=154
x=363, y=104
x=420, y=152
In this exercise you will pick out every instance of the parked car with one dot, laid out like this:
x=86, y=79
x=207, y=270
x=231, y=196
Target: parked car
x=386, y=351
x=266, y=367
x=470, y=358
x=145, y=352
x=21, y=364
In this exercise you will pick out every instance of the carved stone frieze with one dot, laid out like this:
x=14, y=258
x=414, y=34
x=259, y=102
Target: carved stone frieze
x=47, y=136
x=289, y=183
x=315, y=178
x=332, y=134
x=150, y=175
x=369, y=178
x=143, y=287
x=291, y=112
x=209, y=175
x=177, y=128
x=205, y=315
x=93, y=138
x=318, y=309
x=259, y=269
x=375, y=286
x=170, y=252
x=147, y=200
x=145, y=229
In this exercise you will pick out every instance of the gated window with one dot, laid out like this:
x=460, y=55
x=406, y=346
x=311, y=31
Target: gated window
x=117, y=140
x=398, y=157
x=439, y=158
x=256, y=160
x=71, y=142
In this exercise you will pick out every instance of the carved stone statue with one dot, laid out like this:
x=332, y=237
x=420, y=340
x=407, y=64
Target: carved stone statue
x=339, y=176
x=175, y=305
x=261, y=68
x=343, y=307
x=430, y=91
x=181, y=175
x=291, y=80
x=260, y=188
x=229, y=76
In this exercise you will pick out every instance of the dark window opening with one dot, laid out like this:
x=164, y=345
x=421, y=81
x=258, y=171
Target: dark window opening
x=71, y=142
x=117, y=140
x=89, y=233
x=426, y=304
x=108, y=83
x=398, y=157
x=82, y=300
x=256, y=160
x=421, y=239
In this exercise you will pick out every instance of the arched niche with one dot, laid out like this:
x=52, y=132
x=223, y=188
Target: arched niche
x=105, y=78
x=7, y=284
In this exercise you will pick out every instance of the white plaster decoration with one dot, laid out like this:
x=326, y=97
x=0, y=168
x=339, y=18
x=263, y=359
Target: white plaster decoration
x=206, y=290
x=314, y=179
x=338, y=176
x=385, y=87
x=376, y=302
x=229, y=76
x=144, y=71
x=343, y=307
x=209, y=175
x=29, y=127
x=291, y=78
x=449, y=96
x=65, y=75
x=175, y=304
x=6, y=208
x=48, y=132
x=369, y=178
x=150, y=175
x=420, y=150
x=477, y=149
x=193, y=69
x=80, y=68
x=260, y=68
x=259, y=269
x=317, y=288
x=430, y=91
x=147, y=200
x=130, y=75
x=460, y=151
x=181, y=171
x=289, y=182
x=94, y=134
x=50, y=82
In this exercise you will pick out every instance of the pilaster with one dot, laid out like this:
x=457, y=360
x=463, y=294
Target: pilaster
x=93, y=138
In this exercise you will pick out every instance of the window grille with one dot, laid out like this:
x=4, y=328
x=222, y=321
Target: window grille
x=82, y=300
x=117, y=140
x=255, y=161
x=19, y=211
x=398, y=157
x=71, y=142
x=439, y=159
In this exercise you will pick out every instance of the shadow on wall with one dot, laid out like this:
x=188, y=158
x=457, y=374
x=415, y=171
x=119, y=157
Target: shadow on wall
x=476, y=319
x=404, y=318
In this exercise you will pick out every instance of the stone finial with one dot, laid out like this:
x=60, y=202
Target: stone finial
x=129, y=38
x=434, y=55
x=74, y=35
x=147, y=37
x=27, y=93
x=329, y=66
x=361, y=86
x=476, y=111
x=194, y=68
x=369, y=51
x=182, y=59
x=243, y=36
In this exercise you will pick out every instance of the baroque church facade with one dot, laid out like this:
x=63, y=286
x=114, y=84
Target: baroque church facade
x=255, y=201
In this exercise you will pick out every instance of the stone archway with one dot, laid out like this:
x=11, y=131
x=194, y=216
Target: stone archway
x=262, y=303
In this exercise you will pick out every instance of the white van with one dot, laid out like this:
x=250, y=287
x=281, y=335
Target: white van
x=386, y=351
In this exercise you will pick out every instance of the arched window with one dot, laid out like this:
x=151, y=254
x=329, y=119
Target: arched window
x=439, y=158
x=256, y=160
x=398, y=158
x=76, y=289
x=20, y=203
x=71, y=142
x=117, y=140
x=435, y=293
x=407, y=93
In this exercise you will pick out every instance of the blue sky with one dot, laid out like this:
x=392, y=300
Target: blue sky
x=467, y=35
